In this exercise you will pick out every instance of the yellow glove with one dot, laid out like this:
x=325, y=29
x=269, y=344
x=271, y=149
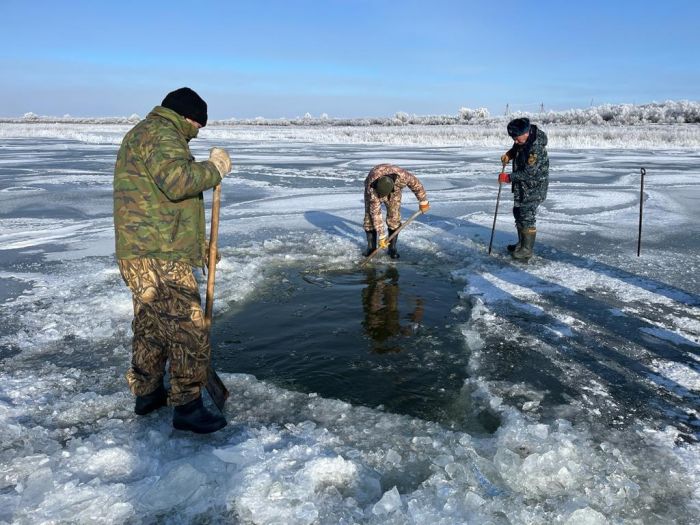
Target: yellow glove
x=383, y=243
x=505, y=159
x=219, y=157
x=423, y=206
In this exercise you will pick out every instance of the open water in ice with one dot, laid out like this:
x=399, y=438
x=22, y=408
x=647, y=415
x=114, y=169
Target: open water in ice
x=471, y=390
x=383, y=336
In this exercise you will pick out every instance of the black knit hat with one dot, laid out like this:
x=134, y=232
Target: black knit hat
x=518, y=126
x=187, y=103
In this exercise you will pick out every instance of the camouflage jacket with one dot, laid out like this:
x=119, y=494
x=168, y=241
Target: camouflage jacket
x=373, y=201
x=158, y=202
x=530, y=175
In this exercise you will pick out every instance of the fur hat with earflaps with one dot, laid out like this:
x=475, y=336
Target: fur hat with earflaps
x=518, y=126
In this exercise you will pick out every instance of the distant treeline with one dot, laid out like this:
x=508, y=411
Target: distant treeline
x=670, y=112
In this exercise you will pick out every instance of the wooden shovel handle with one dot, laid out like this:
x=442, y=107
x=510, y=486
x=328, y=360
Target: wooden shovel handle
x=396, y=232
x=215, y=386
x=213, y=242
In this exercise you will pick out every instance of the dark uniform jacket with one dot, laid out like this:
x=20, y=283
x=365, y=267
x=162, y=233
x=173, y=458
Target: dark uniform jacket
x=530, y=177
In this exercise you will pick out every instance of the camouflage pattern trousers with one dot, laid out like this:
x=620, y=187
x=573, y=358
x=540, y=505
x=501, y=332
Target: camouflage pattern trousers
x=393, y=213
x=169, y=326
x=525, y=215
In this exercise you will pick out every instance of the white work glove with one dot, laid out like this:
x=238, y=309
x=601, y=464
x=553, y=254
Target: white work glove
x=219, y=157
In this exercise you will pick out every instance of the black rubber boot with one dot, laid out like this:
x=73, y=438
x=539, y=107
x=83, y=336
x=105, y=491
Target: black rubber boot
x=150, y=402
x=525, y=251
x=392, y=245
x=513, y=247
x=371, y=242
x=194, y=417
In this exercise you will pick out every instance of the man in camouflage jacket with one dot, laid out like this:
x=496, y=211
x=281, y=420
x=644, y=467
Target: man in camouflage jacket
x=384, y=185
x=529, y=179
x=160, y=235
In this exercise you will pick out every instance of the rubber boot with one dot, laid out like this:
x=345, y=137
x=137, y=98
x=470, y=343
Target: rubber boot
x=150, y=402
x=392, y=245
x=194, y=417
x=513, y=247
x=528, y=243
x=371, y=242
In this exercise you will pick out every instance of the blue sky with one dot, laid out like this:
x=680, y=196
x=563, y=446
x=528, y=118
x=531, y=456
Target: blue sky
x=346, y=58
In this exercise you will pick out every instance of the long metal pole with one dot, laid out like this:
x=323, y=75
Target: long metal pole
x=495, y=215
x=641, y=212
x=493, y=228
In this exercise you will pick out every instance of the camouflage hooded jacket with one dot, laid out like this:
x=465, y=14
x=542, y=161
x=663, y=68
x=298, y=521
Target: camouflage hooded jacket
x=158, y=202
x=530, y=175
x=373, y=201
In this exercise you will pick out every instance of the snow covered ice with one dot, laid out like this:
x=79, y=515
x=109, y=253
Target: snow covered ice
x=586, y=358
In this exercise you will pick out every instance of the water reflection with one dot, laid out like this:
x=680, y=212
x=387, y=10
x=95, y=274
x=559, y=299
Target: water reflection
x=382, y=317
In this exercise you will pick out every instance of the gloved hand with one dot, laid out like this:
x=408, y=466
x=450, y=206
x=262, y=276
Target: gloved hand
x=423, y=206
x=505, y=159
x=383, y=244
x=206, y=257
x=503, y=178
x=220, y=158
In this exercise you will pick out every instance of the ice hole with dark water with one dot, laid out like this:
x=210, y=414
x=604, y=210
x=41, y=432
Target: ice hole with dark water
x=384, y=336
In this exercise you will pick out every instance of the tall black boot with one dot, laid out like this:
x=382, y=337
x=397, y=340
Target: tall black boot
x=150, y=402
x=513, y=247
x=392, y=245
x=525, y=251
x=194, y=417
x=371, y=242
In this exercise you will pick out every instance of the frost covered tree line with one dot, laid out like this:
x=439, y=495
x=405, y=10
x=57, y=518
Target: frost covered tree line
x=669, y=112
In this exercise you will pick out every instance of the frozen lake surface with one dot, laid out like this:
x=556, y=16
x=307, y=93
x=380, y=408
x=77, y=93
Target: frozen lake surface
x=452, y=387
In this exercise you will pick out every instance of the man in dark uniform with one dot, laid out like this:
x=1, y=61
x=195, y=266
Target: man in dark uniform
x=529, y=179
